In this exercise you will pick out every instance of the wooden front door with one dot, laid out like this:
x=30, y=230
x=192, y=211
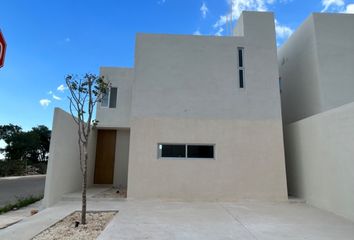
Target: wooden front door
x=105, y=154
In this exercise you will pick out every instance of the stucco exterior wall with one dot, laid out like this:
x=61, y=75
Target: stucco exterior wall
x=319, y=159
x=299, y=72
x=122, y=78
x=188, y=76
x=335, y=47
x=316, y=66
x=249, y=160
x=63, y=171
x=122, y=158
x=186, y=90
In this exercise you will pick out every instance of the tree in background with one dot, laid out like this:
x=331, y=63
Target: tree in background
x=85, y=92
x=42, y=136
x=8, y=131
x=22, y=148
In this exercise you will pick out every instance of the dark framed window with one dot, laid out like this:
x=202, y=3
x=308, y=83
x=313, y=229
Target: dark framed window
x=172, y=150
x=240, y=75
x=200, y=151
x=113, y=97
x=241, y=68
x=109, y=99
x=240, y=57
x=185, y=151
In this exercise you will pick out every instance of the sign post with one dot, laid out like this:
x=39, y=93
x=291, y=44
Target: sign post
x=2, y=50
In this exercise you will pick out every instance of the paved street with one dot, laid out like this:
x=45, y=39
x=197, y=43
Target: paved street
x=12, y=188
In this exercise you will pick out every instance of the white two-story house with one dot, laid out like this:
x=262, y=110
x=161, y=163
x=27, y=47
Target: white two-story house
x=198, y=117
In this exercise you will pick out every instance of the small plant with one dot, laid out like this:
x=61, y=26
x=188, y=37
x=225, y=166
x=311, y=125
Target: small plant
x=21, y=202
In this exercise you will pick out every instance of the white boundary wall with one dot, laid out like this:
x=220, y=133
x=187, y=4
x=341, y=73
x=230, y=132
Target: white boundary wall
x=63, y=172
x=320, y=160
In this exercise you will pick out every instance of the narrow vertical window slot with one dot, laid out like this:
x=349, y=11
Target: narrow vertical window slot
x=113, y=97
x=241, y=69
x=240, y=75
x=240, y=57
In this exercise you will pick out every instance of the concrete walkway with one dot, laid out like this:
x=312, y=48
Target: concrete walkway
x=198, y=220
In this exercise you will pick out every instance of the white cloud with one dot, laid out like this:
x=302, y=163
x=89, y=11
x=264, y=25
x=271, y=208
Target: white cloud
x=350, y=8
x=282, y=31
x=61, y=88
x=204, y=10
x=336, y=4
x=237, y=6
x=50, y=92
x=44, y=102
x=240, y=5
x=56, y=97
x=197, y=32
x=219, y=32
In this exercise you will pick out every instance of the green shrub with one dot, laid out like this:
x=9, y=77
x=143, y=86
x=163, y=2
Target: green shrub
x=41, y=166
x=12, y=168
x=17, y=168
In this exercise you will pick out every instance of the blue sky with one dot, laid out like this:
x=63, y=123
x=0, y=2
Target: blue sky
x=48, y=39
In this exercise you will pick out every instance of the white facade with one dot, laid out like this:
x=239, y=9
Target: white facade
x=319, y=157
x=122, y=78
x=316, y=67
x=63, y=171
x=187, y=89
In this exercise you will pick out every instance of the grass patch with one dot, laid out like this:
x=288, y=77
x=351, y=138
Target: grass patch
x=20, y=203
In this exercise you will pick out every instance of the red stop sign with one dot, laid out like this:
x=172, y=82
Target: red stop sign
x=2, y=49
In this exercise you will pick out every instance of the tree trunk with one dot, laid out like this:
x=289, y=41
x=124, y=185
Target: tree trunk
x=84, y=186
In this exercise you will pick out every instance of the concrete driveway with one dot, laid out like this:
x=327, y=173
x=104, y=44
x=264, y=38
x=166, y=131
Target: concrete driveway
x=198, y=220
x=12, y=188
x=249, y=220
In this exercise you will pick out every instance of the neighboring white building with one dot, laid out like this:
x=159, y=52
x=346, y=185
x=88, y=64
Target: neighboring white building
x=198, y=117
x=316, y=67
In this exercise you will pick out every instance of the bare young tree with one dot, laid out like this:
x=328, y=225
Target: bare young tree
x=85, y=92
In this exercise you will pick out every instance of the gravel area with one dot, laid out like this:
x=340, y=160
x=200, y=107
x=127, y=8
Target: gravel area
x=65, y=228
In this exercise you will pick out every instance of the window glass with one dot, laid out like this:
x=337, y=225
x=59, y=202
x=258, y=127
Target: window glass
x=241, y=69
x=104, y=100
x=113, y=97
x=200, y=151
x=172, y=150
x=240, y=57
x=185, y=151
x=240, y=73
